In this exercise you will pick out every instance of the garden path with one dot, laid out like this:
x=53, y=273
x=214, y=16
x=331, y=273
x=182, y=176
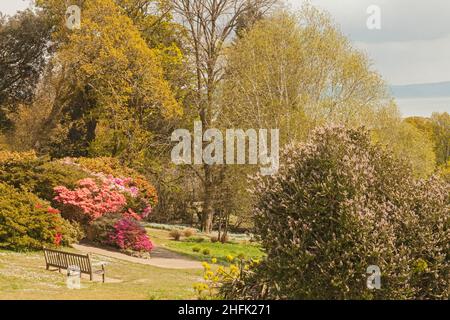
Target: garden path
x=160, y=257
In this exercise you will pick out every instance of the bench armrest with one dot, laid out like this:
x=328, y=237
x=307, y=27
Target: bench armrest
x=99, y=264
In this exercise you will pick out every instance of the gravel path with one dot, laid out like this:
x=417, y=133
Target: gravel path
x=160, y=257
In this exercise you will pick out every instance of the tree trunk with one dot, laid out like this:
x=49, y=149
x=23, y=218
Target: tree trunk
x=208, y=209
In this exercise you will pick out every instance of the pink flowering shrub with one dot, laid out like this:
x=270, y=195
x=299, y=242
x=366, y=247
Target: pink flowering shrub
x=90, y=200
x=337, y=205
x=110, y=209
x=130, y=235
x=137, y=204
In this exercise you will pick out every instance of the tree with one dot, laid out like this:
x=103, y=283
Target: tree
x=24, y=47
x=410, y=144
x=437, y=129
x=210, y=24
x=107, y=68
x=296, y=71
x=441, y=132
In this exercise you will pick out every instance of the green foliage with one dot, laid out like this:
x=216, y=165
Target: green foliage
x=72, y=232
x=444, y=171
x=27, y=224
x=101, y=228
x=441, y=133
x=409, y=144
x=25, y=38
x=437, y=129
x=27, y=172
x=270, y=71
x=338, y=205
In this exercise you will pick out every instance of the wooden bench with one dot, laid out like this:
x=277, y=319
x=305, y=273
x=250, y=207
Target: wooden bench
x=62, y=260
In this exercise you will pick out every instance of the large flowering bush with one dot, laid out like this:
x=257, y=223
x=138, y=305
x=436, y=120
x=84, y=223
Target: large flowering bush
x=338, y=205
x=105, y=167
x=130, y=235
x=89, y=199
x=91, y=196
x=109, y=206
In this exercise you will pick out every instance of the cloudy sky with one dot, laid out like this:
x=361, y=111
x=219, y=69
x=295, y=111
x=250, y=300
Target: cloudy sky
x=413, y=45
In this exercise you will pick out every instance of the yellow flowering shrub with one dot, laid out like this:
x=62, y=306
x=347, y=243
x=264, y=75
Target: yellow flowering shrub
x=216, y=276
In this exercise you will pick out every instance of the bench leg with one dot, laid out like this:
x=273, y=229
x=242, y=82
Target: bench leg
x=91, y=276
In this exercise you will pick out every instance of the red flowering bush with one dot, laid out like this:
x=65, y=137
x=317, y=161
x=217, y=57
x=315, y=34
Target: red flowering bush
x=111, y=167
x=90, y=200
x=130, y=235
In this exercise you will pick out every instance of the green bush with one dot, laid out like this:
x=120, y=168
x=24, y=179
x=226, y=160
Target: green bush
x=195, y=239
x=101, y=228
x=338, y=205
x=206, y=252
x=196, y=249
x=26, y=223
x=27, y=172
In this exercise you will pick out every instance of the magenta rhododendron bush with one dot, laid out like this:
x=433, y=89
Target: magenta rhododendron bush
x=130, y=235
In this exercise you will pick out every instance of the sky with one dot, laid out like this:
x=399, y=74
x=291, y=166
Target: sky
x=412, y=46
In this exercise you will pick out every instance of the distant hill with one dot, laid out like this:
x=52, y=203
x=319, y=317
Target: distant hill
x=425, y=90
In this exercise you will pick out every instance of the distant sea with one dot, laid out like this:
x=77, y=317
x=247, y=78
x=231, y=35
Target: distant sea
x=422, y=99
x=423, y=107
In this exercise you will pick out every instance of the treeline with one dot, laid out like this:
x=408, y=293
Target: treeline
x=137, y=70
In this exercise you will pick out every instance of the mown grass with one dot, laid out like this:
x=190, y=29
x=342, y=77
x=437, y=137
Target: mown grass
x=217, y=250
x=23, y=276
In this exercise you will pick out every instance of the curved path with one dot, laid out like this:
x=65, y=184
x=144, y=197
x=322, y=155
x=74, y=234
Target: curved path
x=160, y=257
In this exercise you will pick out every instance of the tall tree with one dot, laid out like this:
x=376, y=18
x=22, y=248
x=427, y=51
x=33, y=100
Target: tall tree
x=295, y=71
x=211, y=24
x=436, y=128
x=441, y=132
x=24, y=47
x=110, y=64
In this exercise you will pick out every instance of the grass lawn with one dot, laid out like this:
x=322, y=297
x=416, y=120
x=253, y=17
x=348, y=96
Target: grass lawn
x=23, y=276
x=217, y=249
